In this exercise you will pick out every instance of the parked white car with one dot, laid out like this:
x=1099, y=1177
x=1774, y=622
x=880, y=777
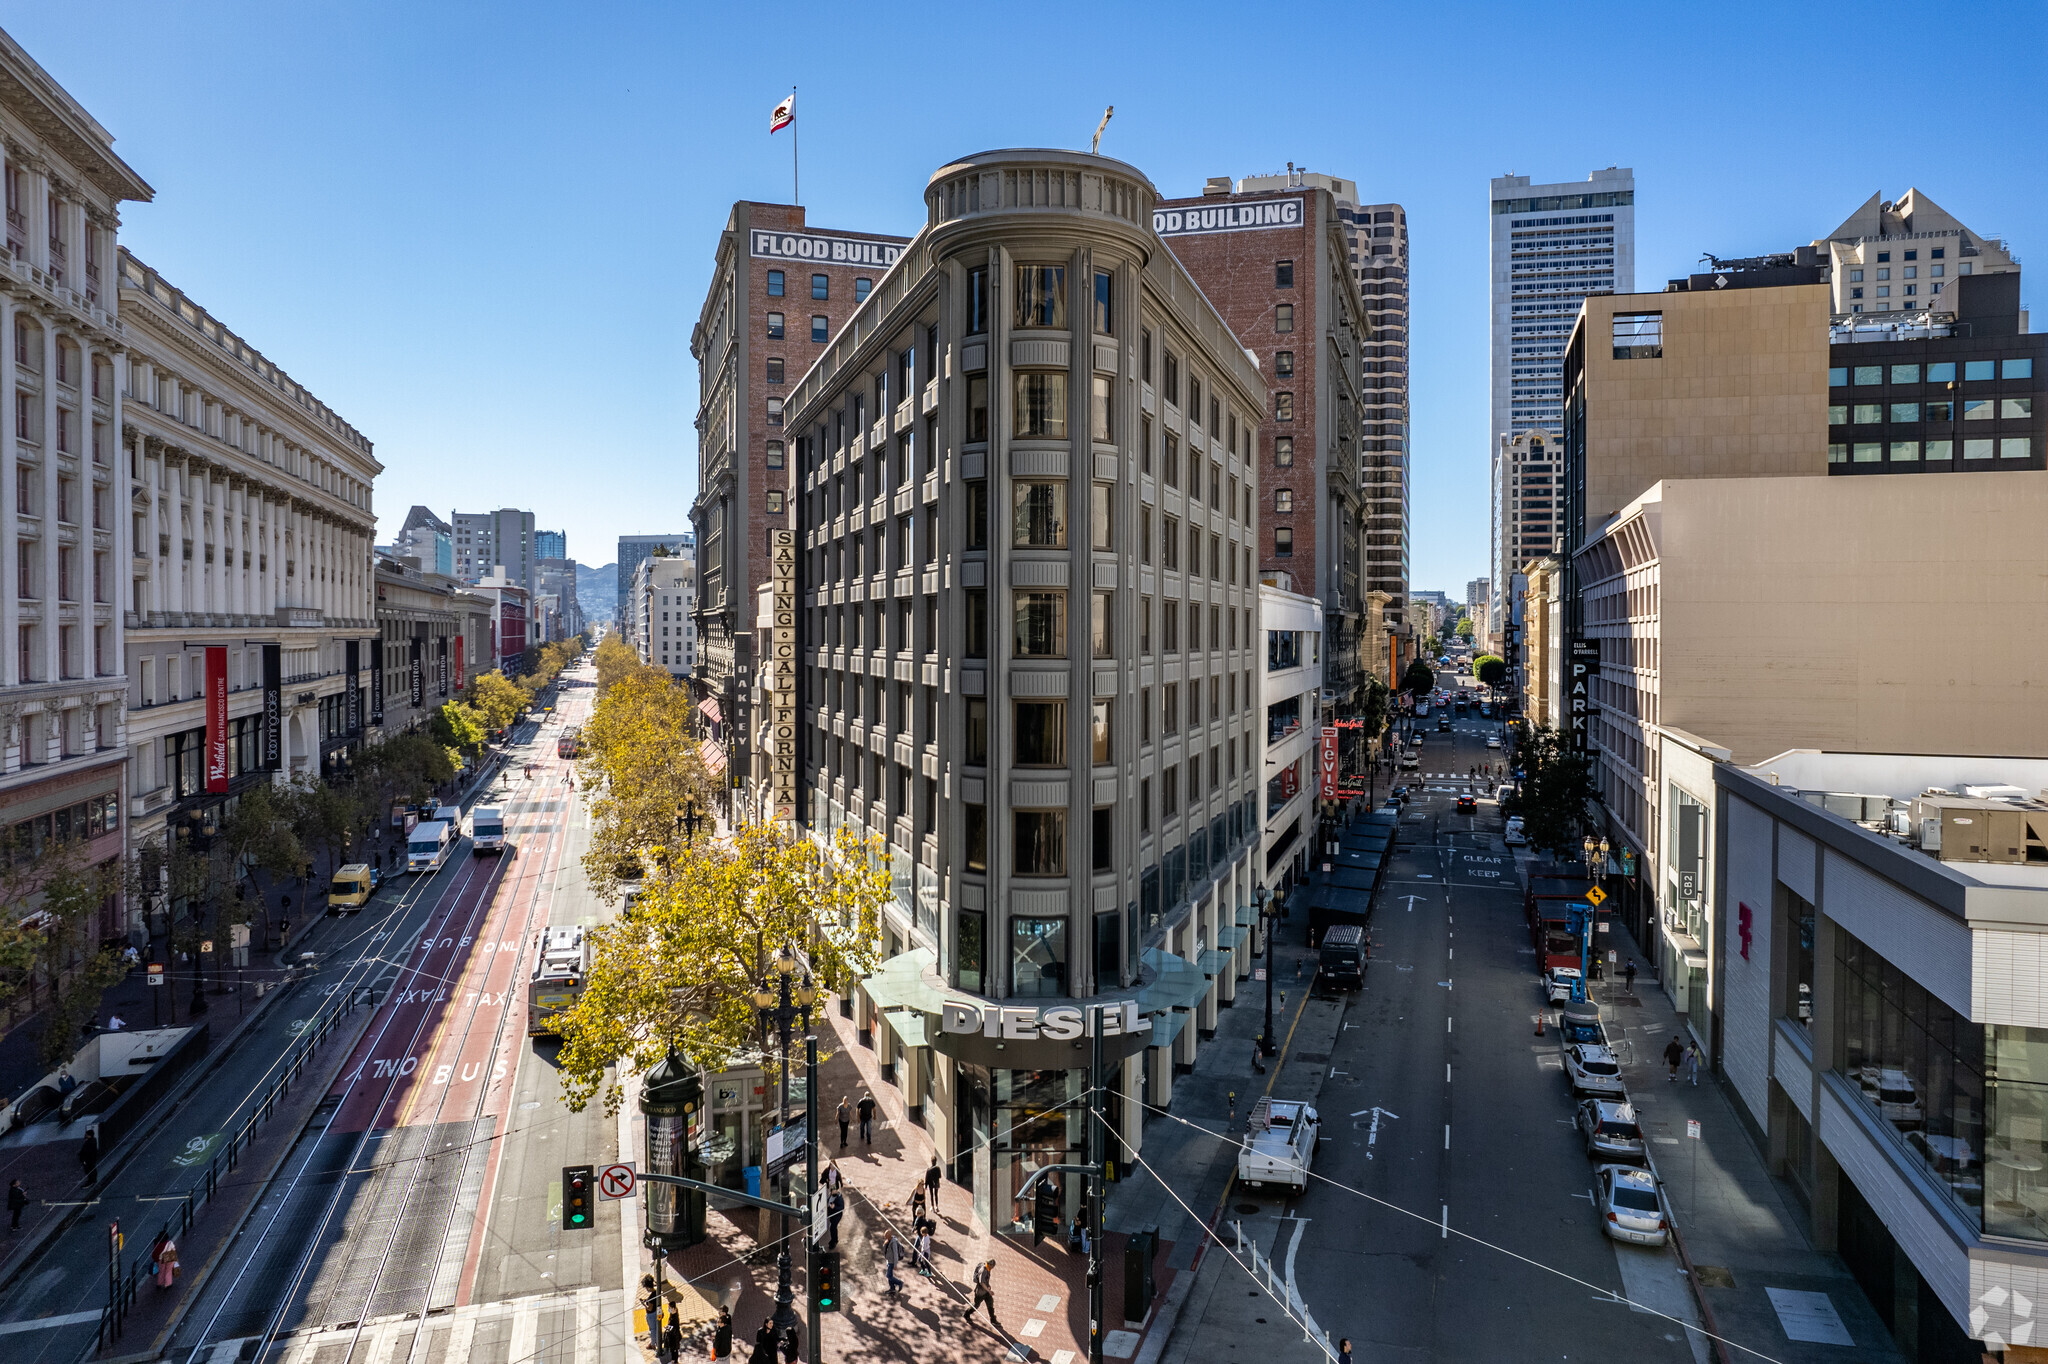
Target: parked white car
x=1593, y=1070
x=1630, y=1204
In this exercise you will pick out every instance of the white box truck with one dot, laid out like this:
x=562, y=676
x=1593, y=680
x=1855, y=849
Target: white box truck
x=426, y=848
x=487, y=830
x=1279, y=1146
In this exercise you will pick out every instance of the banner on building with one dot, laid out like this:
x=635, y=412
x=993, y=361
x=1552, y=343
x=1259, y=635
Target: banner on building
x=217, y=772
x=419, y=677
x=782, y=672
x=1582, y=665
x=351, y=685
x=806, y=246
x=441, y=667
x=1326, y=763
x=273, y=707
x=377, y=681
x=1257, y=215
x=459, y=683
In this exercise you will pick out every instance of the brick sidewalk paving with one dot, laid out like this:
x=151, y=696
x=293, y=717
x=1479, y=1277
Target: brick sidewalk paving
x=1041, y=1292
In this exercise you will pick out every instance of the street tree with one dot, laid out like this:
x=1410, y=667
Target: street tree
x=1464, y=627
x=329, y=818
x=615, y=658
x=680, y=972
x=1490, y=669
x=1555, y=796
x=1419, y=679
x=640, y=764
x=54, y=891
x=457, y=727
x=497, y=699
x=409, y=766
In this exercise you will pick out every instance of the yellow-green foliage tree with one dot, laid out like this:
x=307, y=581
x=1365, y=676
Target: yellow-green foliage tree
x=641, y=767
x=615, y=658
x=497, y=700
x=680, y=972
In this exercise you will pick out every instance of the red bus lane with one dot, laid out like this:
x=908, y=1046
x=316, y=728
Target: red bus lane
x=387, y=1059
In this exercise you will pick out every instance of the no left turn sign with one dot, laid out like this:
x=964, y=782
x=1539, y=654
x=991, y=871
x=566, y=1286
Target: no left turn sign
x=615, y=1182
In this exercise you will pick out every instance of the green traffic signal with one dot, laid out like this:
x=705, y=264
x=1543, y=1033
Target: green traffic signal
x=576, y=1186
x=825, y=1280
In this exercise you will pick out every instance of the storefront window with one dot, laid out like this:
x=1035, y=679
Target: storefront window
x=1799, y=999
x=970, y=950
x=1038, y=1122
x=1038, y=958
x=1041, y=843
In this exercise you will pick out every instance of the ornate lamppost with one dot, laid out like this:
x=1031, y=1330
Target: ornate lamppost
x=780, y=1006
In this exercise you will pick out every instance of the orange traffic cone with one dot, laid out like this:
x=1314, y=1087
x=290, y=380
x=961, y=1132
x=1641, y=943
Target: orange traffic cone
x=1539, y=1025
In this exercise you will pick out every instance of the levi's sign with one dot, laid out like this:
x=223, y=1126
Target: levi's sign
x=825, y=250
x=1259, y=213
x=1055, y=1023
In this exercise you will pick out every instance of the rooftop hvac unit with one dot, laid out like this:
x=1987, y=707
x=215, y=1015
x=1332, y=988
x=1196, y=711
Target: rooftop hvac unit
x=1968, y=829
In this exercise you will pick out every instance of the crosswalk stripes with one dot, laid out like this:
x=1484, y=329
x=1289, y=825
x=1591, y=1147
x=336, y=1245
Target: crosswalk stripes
x=510, y=1333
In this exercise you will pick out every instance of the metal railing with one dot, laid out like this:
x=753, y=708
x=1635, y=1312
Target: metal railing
x=122, y=1287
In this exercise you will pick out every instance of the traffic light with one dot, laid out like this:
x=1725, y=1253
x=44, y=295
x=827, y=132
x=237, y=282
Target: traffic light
x=578, y=1181
x=825, y=1280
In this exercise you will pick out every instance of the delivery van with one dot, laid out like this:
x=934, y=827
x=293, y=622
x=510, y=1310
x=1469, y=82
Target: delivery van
x=351, y=888
x=428, y=846
x=451, y=815
x=487, y=830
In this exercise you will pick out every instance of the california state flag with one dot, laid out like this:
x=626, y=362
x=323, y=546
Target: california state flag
x=784, y=115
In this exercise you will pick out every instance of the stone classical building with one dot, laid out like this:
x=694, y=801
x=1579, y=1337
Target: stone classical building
x=63, y=487
x=424, y=632
x=661, y=624
x=1027, y=658
x=250, y=506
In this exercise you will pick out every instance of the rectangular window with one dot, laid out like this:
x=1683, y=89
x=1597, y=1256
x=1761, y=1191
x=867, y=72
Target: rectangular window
x=1039, y=518
x=1101, y=637
x=1905, y=412
x=1169, y=543
x=977, y=513
x=861, y=287
x=1194, y=627
x=821, y=287
x=1169, y=626
x=1172, y=379
x=1979, y=409
x=1145, y=806
x=977, y=300
x=1283, y=542
x=1866, y=452
x=1283, y=407
x=1169, y=703
x=777, y=457
x=1101, y=503
x=1979, y=449
x=1103, y=316
x=2015, y=407
x=1867, y=413
x=1041, y=296
x=1283, y=500
x=775, y=284
x=1144, y=535
x=1638, y=336
x=977, y=407
x=1145, y=445
x=1283, y=317
x=1169, y=793
x=821, y=329
x=1170, y=473
x=1942, y=373
x=1905, y=374
x=1283, y=452
x=1283, y=274
x=2018, y=369
x=1938, y=449
x=1041, y=737
x=976, y=831
x=1038, y=947
x=1099, y=408
x=1838, y=414
x=2014, y=447
x=977, y=622
x=1905, y=451
x=1098, y=732
x=1283, y=364
x=1838, y=376
x=774, y=369
x=1145, y=355
x=1041, y=405
x=1040, y=621
x=1041, y=838
x=775, y=411
x=775, y=326
x=1978, y=369
x=1868, y=374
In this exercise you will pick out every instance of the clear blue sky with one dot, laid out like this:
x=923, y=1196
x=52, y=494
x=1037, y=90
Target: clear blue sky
x=482, y=232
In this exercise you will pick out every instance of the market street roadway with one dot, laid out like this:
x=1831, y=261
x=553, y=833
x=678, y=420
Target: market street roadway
x=1443, y=1036
x=443, y=1101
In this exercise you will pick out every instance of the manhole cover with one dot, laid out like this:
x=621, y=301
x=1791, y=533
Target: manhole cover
x=1316, y=1056
x=1249, y=1207
x=1713, y=1276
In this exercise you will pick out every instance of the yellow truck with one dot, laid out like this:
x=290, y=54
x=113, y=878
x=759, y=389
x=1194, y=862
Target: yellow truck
x=351, y=888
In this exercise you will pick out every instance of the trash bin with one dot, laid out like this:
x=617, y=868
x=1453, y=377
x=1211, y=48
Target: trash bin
x=753, y=1174
x=1139, y=1253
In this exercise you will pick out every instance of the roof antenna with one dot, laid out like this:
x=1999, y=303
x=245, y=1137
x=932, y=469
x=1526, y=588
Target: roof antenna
x=1095, y=147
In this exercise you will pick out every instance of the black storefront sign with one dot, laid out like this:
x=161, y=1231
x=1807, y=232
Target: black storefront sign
x=273, y=707
x=1582, y=665
x=376, y=681
x=441, y=667
x=352, y=670
x=419, y=677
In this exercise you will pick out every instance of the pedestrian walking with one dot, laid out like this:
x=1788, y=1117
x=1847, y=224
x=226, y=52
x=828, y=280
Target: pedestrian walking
x=17, y=1200
x=672, y=1338
x=1344, y=1351
x=867, y=1117
x=931, y=1183
x=892, y=1255
x=833, y=1179
x=924, y=1252
x=845, y=1120
x=167, y=1263
x=1674, y=1052
x=916, y=1204
x=650, y=1303
x=764, y=1344
x=89, y=1155
x=1628, y=977
x=792, y=1346
x=1258, y=1057
x=721, y=1339
x=984, y=1292
x=1692, y=1063
x=835, y=1208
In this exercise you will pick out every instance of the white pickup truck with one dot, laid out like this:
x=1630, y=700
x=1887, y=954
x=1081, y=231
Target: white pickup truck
x=1280, y=1144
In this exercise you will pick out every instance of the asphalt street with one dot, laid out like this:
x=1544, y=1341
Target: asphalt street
x=1479, y=1240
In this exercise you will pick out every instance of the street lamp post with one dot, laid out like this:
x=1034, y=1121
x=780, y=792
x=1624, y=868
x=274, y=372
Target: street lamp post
x=780, y=1006
x=1266, y=916
x=1596, y=870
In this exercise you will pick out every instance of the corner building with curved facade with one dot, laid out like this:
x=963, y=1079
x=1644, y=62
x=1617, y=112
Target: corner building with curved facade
x=1027, y=592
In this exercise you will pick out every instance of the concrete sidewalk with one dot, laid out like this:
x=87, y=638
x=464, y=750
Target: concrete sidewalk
x=1743, y=1228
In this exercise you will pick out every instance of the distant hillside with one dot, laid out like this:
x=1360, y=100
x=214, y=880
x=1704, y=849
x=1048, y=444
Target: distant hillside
x=597, y=590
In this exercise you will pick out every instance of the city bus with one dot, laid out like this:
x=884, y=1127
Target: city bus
x=570, y=745
x=561, y=964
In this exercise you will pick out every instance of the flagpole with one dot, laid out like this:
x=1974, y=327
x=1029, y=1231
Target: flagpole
x=795, y=183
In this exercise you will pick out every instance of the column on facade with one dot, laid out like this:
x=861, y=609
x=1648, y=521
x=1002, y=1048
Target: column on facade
x=122, y=571
x=53, y=629
x=175, y=472
x=38, y=208
x=10, y=529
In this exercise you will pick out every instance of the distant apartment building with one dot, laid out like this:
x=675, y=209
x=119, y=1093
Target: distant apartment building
x=423, y=654
x=485, y=541
x=511, y=633
x=426, y=541
x=1890, y=257
x=1290, y=692
x=635, y=548
x=551, y=544
x=662, y=606
x=1276, y=263
x=780, y=289
x=1526, y=523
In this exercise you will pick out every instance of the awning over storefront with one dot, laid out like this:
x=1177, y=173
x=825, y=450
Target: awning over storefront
x=713, y=754
x=1214, y=962
x=899, y=984
x=908, y=1025
x=1175, y=984
x=1166, y=1027
x=1230, y=935
x=709, y=705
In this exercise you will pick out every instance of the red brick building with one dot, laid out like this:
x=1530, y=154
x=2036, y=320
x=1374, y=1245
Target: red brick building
x=779, y=290
x=1276, y=265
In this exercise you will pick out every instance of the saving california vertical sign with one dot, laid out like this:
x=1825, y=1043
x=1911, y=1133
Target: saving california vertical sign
x=782, y=673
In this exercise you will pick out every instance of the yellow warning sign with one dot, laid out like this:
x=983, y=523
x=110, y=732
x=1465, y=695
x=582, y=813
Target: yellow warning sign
x=1597, y=895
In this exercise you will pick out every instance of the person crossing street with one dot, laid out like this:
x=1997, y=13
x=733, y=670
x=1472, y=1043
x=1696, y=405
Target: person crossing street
x=984, y=1292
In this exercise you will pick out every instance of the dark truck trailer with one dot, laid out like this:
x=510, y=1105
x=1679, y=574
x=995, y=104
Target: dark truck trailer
x=1341, y=959
x=1551, y=893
